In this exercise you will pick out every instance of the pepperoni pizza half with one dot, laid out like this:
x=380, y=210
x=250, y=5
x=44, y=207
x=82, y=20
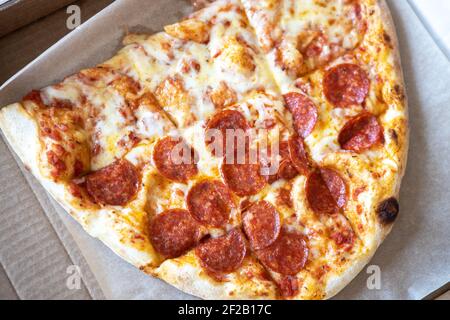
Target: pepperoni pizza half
x=253, y=150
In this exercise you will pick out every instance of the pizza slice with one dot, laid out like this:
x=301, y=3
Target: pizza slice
x=337, y=65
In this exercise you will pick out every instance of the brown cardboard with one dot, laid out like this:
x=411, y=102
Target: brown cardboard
x=22, y=46
x=414, y=260
x=34, y=258
x=18, y=13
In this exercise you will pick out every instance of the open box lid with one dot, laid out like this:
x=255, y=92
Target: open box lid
x=414, y=260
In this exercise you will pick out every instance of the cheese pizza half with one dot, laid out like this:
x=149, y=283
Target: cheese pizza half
x=254, y=150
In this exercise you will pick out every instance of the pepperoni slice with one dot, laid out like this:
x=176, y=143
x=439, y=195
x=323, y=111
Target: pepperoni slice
x=175, y=160
x=173, y=232
x=115, y=185
x=287, y=255
x=361, y=133
x=304, y=113
x=336, y=185
x=243, y=179
x=227, y=122
x=298, y=155
x=326, y=191
x=224, y=254
x=346, y=85
x=210, y=203
x=262, y=225
x=286, y=169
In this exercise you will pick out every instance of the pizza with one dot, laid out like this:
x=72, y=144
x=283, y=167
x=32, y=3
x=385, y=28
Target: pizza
x=253, y=150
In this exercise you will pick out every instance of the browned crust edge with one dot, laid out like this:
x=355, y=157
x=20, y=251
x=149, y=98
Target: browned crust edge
x=390, y=29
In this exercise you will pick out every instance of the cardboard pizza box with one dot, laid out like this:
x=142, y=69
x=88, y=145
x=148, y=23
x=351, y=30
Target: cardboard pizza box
x=41, y=246
x=18, y=13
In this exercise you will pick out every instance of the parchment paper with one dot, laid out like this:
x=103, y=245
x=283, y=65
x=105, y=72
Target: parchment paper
x=415, y=259
x=434, y=15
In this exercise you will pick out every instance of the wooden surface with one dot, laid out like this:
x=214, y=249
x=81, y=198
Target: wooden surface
x=22, y=46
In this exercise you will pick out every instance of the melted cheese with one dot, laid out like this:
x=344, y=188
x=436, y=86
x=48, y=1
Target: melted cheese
x=230, y=57
x=287, y=29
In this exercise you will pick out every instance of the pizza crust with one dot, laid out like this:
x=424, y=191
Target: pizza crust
x=390, y=29
x=21, y=132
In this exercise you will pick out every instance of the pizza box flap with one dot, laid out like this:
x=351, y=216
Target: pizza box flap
x=18, y=13
x=414, y=261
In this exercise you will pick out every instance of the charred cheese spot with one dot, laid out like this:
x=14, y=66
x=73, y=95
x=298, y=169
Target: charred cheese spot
x=223, y=96
x=190, y=29
x=237, y=56
x=393, y=94
x=126, y=86
x=267, y=13
x=387, y=39
x=190, y=66
x=175, y=100
x=149, y=101
x=96, y=76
